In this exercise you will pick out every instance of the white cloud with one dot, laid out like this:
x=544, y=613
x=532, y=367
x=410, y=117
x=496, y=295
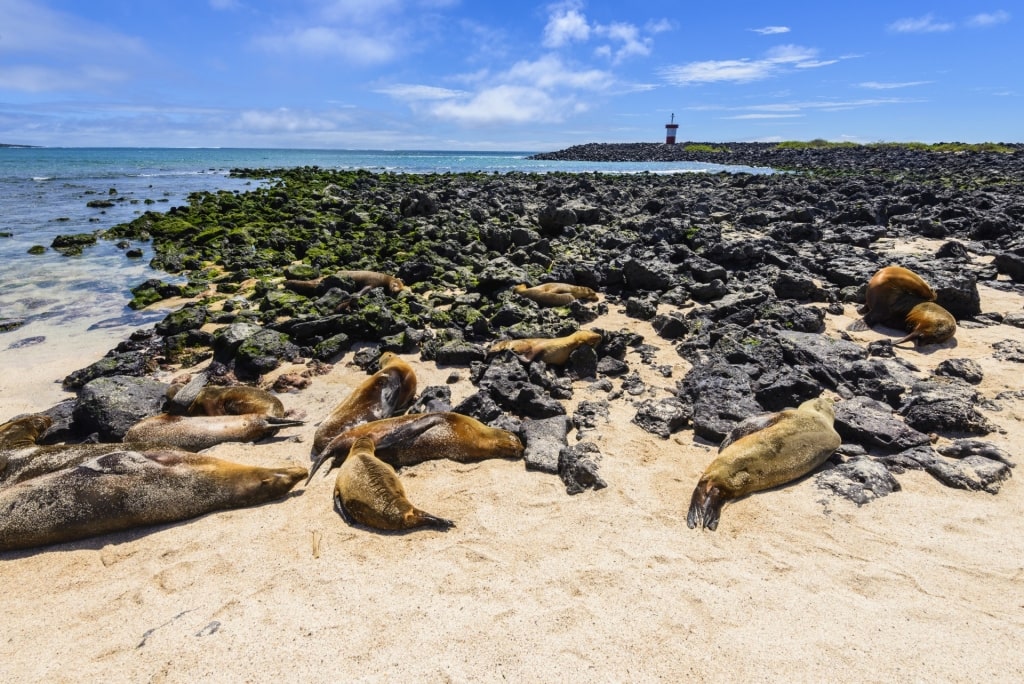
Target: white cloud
x=39, y=79
x=659, y=26
x=420, y=92
x=549, y=72
x=743, y=117
x=27, y=27
x=771, y=30
x=925, y=24
x=324, y=41
x=503, y=104
x=744, y=70
x=986, y=19
x=876, y=85
x=565, y=25
x=283, y=120
x=629, y=37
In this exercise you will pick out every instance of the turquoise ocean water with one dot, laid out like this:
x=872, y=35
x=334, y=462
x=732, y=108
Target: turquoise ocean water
x=44, y=192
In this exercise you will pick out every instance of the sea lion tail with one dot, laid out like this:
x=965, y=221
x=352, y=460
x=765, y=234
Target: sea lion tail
x=705, y=506
x=273, y=421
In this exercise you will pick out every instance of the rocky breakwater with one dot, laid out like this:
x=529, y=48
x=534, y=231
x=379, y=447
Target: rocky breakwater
x=738, y=273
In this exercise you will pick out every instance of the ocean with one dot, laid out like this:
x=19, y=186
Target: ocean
x=46, y=192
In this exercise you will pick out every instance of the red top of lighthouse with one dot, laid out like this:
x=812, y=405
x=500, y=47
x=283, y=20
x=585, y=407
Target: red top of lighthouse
x=670, y=131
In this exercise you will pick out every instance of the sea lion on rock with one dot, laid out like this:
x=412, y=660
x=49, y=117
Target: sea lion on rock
x=899, y=298
x=553, y=351
x=368, y=491
x=367, y=280
x=379, y=396
x=407, y=440
x=556, y=294
x=771, y=450
x=125, y=488
x=196, y=433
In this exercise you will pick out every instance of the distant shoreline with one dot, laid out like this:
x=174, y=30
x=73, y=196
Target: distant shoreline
x=20, y=146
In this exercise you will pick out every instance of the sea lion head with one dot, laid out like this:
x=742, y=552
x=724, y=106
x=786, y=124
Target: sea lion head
x=824, y=406
x=395, y=285
x=587, y=337
x=929, y=323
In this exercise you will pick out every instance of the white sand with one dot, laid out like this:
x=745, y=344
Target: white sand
x=534, y=585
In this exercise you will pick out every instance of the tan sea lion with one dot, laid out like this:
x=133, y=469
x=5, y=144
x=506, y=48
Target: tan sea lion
x=770, y=450
x=410, y=439
x=556, y=294
x=235, y=400
x=553, y=351
x=379, y=396
x=124, y=488
x=893, y=293
x=23, y=431
x=196, y=433
x=369, y=492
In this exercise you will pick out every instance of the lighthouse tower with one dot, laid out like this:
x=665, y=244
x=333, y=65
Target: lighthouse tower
x=670, y=131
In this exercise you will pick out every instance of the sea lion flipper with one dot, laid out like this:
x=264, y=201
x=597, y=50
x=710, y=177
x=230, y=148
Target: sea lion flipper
x=410, y=430
x=276, y=422
x=418, y=518
x=339, y=506
x=705, y=506
x=749, y=426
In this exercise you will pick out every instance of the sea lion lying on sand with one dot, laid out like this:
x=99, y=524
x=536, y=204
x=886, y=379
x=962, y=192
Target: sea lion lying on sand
x=553, y=351
x=368, y=491
x=379, y=396
x=764, y=452
x=125, y=488
x=196, y=433
x=899, y=298
x=410, y=439
x=556, y=294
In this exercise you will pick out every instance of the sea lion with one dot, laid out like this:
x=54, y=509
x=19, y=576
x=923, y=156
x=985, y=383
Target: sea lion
x=899, y=298
x=196, y=433
x=556, y=294
x=770, y=450
x=366, y=280
x=928, y=323
x=411, y=439
x=23, y=431
x=379, y=396
x=553, y=351
x=235, y=400
x=368, y=491
x=125, y=488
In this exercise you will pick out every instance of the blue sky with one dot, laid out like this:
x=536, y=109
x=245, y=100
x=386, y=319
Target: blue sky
x=482, y=74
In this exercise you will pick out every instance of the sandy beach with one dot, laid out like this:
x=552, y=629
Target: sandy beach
x=534, y=585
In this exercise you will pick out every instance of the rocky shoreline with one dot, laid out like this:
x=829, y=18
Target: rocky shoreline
x=737, y=273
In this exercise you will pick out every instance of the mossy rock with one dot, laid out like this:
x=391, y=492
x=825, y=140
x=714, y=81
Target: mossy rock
x=301, y=272
x=184, y=319
x=36, y=249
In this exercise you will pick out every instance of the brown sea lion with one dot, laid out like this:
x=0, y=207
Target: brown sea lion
x=368, y=491
x=556, y=294
x=235, y=400
x=410, y=439
x=553, y=351
x=379, y=396
x=770, y=450
x=23, y=431
x=196, y=433
x=893, y=293
x=123, y=488
x=364, y=279
x=928, y=323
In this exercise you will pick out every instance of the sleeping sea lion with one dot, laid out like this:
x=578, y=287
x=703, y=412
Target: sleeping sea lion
x=367, y=280
x=770, y=450
x=369, y=492
x=235, y=400
x=928, y=323
x=124, y=488
x=23, y=431
x=553, y=351
x=556, y=294
x=379, y=396
x=196, y=433
x=899, y=298
x=406, y=440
